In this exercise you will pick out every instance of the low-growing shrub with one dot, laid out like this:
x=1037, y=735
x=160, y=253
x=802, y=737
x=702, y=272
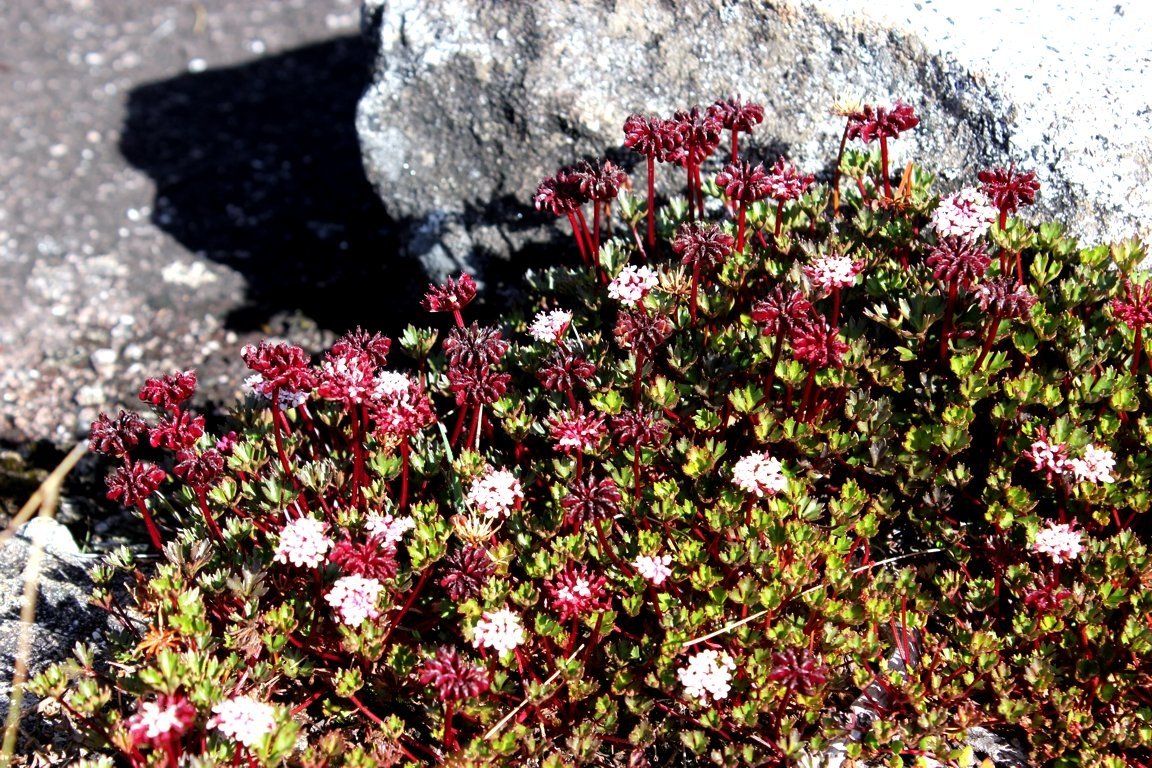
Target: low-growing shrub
x=782, y=470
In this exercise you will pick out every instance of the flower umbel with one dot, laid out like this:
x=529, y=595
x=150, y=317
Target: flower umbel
x=243, y=719
x=708, y=675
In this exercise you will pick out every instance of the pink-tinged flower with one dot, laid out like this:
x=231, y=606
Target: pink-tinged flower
x=496, y=493
x=353, y=598
x=575, y=592
x=965, y=215
x=551, y=326
x=1048, y=457
x=785, y=182
x=134, y=482
x=281, y=366
x=176, y=431
x=576, y=430
x=760, y=474
x=1005, y=297
x=1135, y=311
x=359, y=341
x=116, y=437
x=373, y=559
x=244, y=719
x=304, y=542
x=1046, y=597
x=469, y=569
x=399, y=406
x=500, y=630
x=958, y=260
x=170, y=391
x=453, y=678
x=654, y=568
x=1059, y=542
x=833, y=271
x=874, y=122
x=388, y=528
x=642, y=332
x=453, y=296
x=591, y=498
x=632, y=285
x=161, y=721
x=798, y=670
x=1008, y=190
x=285, y=398
x=349, y=377
x=708, y=675
x=1095, y=466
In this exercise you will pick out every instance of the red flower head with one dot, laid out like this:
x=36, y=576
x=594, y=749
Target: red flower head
x=199, y=470
x=116, y=437
x=372, y=559
x=642, y=332
x=874, y=122
x=564, y=369
x=375, y=345
x=786, y=182
x=473, y=353
x=453, y=678
x=646, y=136
x=576, y=430
x=400, y=406
x=743, y=182
x=133, y=483
x=469, y=569
x=780, y=310
x=737, y=115
x=703, y=246
x=692, y=136
x=453, y=296
x=1136, y=310
x=816, y=343
x=576, y=592
x=602, y=182
x=958, y=260
x=638, y=428
x=1007, y=189
x=591, y=499
x=561, y=194
x=798, y=670
x=160, y=723
x=177, y=431
x=281, y=365
x=171, y=391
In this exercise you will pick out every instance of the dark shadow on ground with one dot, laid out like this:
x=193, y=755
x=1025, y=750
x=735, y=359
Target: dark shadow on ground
x=257, y=167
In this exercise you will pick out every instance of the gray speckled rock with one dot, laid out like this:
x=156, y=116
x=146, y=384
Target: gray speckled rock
x=63, y=613
x=473, y=103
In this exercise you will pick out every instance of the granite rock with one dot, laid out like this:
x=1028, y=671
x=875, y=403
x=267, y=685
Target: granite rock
x=473, y=103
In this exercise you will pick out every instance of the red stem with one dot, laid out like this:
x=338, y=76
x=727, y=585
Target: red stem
x=652, y=204
x=884, y=166
x=741, y=216
x=150, y=524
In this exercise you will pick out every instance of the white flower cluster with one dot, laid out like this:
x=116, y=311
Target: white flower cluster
x=632, y=285
x=760, y=474
x=303, y=542
x=708, y=675
x=654, y=568
x=496, y=493
x=501, y=630
x=550, y=326
x=1059, y=542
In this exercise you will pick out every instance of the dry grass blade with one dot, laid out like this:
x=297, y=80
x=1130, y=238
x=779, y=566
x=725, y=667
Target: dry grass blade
x=45, y=500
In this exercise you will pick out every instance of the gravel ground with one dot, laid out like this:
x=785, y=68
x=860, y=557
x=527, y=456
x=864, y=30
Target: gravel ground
x=177, y=179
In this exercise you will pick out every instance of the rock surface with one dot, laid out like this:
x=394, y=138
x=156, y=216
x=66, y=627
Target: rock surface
x=178, y=178
x=473, y=103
